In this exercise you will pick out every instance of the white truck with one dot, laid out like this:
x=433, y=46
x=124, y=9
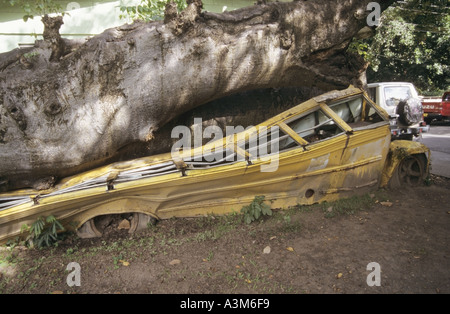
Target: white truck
x=404, y=106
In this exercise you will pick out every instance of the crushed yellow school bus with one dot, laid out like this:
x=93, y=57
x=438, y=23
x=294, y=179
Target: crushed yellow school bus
x=330, y=147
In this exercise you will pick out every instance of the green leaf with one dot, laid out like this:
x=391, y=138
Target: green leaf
x=24, y=228
x=256, y=209
x=257, y=214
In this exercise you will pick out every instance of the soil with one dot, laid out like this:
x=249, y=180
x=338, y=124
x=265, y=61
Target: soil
x=317, y=249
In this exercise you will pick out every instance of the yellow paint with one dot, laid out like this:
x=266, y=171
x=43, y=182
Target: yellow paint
x=326, y=170
x=292, y=134
x=397, y=152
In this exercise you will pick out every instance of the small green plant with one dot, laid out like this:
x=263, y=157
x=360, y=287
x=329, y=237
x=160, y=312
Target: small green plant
x=256, y=209
x=287, y=219
x=44, y=231
x=31, y=55
x=358, y=46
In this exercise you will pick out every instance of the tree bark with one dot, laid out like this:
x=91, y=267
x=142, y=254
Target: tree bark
x=93, y=102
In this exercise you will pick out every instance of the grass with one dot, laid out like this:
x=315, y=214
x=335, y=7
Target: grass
x=348, y=206
x=352, y=205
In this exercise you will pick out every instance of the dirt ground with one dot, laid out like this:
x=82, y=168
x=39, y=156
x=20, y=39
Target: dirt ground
x=304, y=250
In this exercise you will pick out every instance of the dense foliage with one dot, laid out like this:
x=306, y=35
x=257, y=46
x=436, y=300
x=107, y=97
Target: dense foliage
x=412, y=44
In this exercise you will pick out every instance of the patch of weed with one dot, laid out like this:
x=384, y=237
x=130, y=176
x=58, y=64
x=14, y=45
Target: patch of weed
x=347, y=206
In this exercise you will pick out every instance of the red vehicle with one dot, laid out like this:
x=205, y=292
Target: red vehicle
x=446, y=105
x=435, y=108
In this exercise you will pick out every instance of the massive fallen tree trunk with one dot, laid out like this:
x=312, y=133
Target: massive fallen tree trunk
x=66, y=108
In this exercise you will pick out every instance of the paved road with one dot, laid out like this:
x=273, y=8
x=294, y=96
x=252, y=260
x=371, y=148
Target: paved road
x=438, y=140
